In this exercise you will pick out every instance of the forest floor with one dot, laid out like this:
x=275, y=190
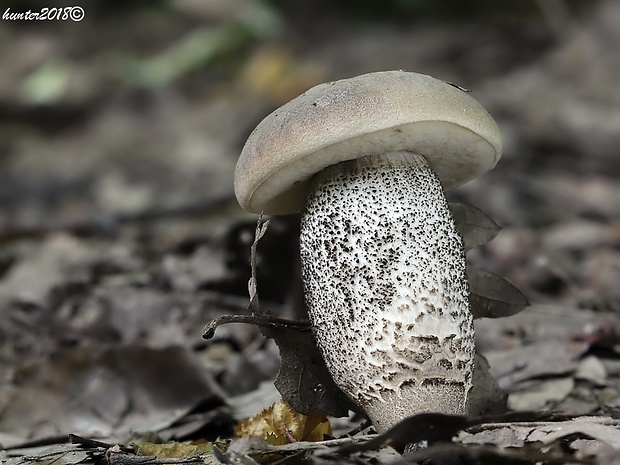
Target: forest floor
x=120, y=236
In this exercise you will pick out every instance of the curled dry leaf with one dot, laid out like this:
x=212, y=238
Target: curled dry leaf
x=303, y=379
x=280, y=424
x=261, y=229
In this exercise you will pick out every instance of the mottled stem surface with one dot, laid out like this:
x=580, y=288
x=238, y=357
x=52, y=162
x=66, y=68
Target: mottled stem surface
x=386, y=289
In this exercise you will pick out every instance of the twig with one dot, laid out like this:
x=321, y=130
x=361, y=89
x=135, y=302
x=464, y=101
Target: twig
x=535, y=424
x=115, y=457
x=93, y=443
x=306, y=446
x=254, y=306
x=258, y=320
x=361, y=427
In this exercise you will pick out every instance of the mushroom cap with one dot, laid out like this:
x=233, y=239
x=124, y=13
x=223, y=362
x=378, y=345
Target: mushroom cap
x=366, y=115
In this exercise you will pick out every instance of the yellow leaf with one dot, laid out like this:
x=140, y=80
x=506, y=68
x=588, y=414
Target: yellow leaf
x=316, y=427
x=173, y=449
x=280, y=424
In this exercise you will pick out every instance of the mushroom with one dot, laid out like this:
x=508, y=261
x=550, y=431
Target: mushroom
x=366, y=160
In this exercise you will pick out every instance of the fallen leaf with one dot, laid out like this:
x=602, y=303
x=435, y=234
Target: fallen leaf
x=280, y=424
x=486, y=396
x=251, y=403
x=123, y=388
x=303, y=379
x=541, y=394
x=261, y=229
x=457, y=454
x=475, y=227
x=57, y=454
x=493, y=297
x=434, y=427
x=592, y=369
x=173, y=449
x=59, y=259
x=604, y=429
x=541, y=359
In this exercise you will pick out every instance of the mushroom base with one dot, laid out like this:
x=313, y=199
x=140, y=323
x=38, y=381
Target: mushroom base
x=429, y=397
x=386, y=288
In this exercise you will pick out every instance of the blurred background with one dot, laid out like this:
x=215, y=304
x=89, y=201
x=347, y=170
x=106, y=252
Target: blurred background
x=119, y=135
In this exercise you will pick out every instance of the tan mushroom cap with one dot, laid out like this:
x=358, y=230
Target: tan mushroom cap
x=366, y=115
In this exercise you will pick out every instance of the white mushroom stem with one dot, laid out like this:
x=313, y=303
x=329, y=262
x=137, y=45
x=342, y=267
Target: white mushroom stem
x=385, y=284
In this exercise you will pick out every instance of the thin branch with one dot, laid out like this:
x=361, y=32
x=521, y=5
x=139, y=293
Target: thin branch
x=537, y=424
x=257, y=320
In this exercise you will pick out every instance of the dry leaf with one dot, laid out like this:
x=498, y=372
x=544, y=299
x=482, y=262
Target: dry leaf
x=261, y=229
x=492, y=296
x=604, y=429
x=280, y=424
x=434, y=427
x=540, y=394
x=173, y=449
x=56, y=454
x=475, y=227
x=486, y=396
x=303, y=379
x=541, y=359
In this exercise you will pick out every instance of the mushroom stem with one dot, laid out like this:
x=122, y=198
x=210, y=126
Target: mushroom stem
x=385, y=284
